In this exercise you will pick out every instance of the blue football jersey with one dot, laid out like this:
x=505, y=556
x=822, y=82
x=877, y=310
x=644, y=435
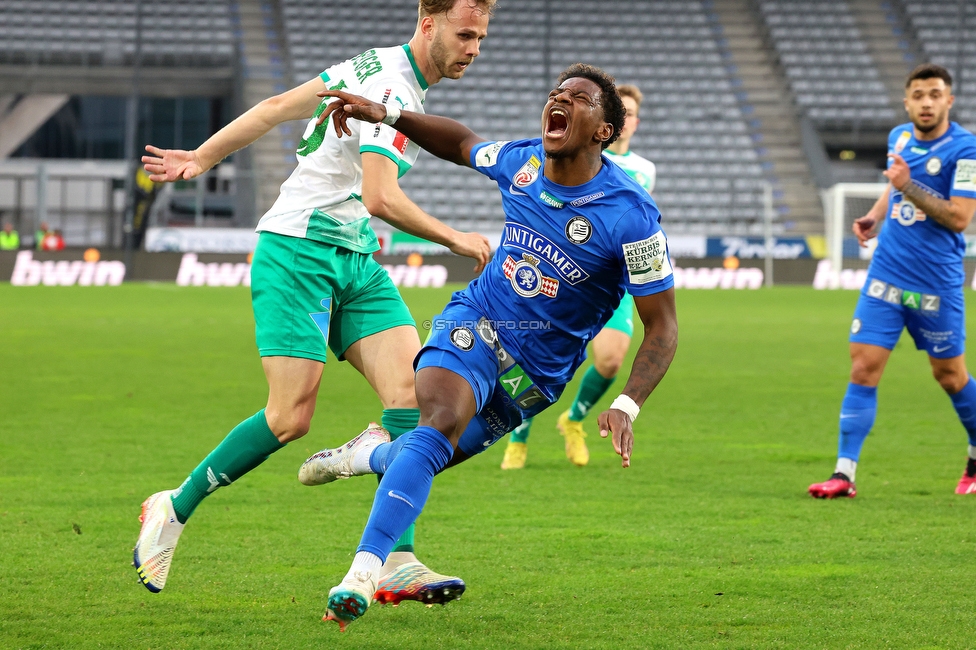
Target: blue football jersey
x=914, y=251
x=565, y=259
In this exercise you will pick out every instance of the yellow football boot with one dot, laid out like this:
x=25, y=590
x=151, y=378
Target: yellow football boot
x=572, y=431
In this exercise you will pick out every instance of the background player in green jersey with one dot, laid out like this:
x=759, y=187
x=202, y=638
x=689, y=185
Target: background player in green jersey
x=314, y=282
x=610, y=345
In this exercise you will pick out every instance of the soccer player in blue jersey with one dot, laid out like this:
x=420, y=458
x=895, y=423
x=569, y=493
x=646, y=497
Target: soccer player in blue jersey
x=916, y=276
x=578, y=232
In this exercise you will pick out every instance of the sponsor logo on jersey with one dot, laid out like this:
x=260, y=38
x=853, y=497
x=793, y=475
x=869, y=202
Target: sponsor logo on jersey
x=400, y=143
x=528, y=173
x=933, y=166
x=919, y=151
x=583, y=200
x=527, y=279
x=647, y=260
x=927, y=304
x=902, y=140
x=528, y=240
x=579, y=230
x=965, y=176
x=487, y=156
x=550, y=200
x=462, y=338
x=904, y=211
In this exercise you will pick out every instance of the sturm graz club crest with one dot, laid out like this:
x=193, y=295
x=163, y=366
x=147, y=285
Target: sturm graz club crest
x=579, y=230
x=462, y=338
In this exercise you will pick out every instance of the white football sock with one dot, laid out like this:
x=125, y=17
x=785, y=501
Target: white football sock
x=367, y=563
x=360, y=461
x=972, y=451
x=847, y=467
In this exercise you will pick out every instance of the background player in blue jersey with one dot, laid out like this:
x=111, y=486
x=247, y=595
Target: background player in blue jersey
x=916, y=276
x=578, y=232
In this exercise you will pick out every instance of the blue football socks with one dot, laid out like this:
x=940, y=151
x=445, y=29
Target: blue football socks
x=965, y=403
x=405, y=487
x=857, y=415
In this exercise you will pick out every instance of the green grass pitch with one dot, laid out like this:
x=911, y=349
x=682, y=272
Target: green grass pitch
x=708, y=540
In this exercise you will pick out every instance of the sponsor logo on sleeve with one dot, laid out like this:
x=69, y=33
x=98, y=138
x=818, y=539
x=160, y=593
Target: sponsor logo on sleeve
x=462, y=338
x=647, y=260
x=400, y=143
x=487, y=156
x=528, y=173
x=579, y=230
x=965, y=177
x=933, y=166
x=902, y=140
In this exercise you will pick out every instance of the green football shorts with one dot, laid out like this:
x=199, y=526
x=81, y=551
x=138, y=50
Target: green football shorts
x=623, y=316
x=307, y=294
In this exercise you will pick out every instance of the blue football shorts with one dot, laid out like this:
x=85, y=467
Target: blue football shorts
x=937, y=322
x=465, y=342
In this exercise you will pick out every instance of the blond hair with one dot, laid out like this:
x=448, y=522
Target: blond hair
x=632, y=91
x=434, y=7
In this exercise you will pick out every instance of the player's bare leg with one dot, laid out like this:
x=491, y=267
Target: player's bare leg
x=292, y=387
x=856, y=419
x=955, y=380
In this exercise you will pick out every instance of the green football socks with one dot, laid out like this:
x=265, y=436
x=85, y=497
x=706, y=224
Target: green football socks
x=521, y=432
x=399, y=422
x=591, y=389
x=248, y=445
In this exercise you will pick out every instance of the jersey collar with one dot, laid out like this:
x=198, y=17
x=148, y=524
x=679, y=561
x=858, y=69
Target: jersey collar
x=416, y=70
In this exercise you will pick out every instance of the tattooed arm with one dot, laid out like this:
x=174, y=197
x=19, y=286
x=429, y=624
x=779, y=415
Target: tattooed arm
x=654, y=356
x=955, y=213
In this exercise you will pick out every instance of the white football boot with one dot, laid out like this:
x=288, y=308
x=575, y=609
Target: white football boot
x=350, y=598
x=157, y=540
x=331, y=464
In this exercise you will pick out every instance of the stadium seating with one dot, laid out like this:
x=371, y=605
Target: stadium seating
x=709, y=172
x=833, y=75
x=942, y=32
x=103, y=32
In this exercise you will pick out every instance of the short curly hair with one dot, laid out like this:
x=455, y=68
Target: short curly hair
x=613, y=107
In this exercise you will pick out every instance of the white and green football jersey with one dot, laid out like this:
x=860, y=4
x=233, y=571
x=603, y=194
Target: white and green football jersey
x=640, y=169
x=322, y=199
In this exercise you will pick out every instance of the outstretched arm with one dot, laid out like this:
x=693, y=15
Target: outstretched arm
x=653, y=358
x=167, y=165
x=441, y=136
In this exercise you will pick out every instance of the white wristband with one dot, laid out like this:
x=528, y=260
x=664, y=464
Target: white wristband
x=392, y=114
x=627, y=405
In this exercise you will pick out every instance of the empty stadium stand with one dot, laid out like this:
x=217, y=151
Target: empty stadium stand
x=944, y=33
x=830, y=68
x=710, y=174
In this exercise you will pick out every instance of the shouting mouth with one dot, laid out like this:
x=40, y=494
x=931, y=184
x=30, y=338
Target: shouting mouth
x=558, y=123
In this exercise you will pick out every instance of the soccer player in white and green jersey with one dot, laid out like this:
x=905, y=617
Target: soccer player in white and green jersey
x=314, y=282
x=611, y=344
